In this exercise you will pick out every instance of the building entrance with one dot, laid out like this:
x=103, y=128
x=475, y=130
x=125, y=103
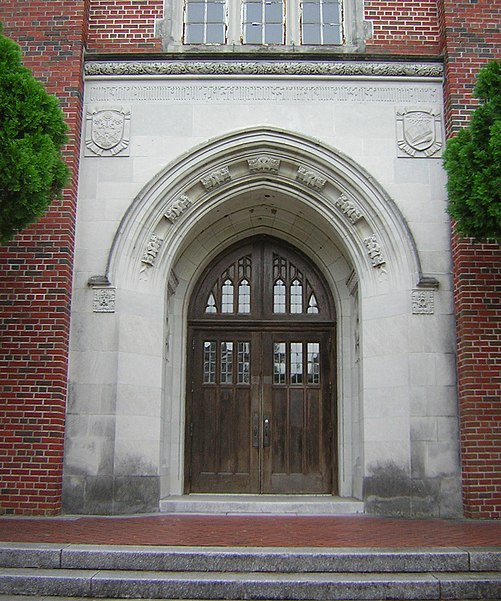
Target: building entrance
x=261, y=395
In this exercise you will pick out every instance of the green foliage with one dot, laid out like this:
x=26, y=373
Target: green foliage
x=32, y=134
x=472, y=160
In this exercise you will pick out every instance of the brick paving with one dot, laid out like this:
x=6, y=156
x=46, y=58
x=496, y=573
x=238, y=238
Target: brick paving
x=259, y=531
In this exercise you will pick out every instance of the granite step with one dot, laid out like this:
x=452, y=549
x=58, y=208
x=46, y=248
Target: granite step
x=262, y=585
x=248, y=559
x=112, y=572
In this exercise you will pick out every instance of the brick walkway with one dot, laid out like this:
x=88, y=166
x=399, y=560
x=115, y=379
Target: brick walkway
x=262, y=531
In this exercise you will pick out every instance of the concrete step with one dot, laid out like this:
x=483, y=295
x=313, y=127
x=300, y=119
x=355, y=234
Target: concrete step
x=261, y=505
x=109, y=572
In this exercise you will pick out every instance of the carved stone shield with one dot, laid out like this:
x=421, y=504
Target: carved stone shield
x=419, y=132
x=419, y=129
x=107, y=132
x=107, y=129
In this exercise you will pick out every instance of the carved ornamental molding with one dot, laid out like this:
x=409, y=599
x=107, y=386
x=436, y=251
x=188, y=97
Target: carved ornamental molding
x=265, y=68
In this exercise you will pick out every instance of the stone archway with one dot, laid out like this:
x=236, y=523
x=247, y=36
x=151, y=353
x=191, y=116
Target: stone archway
x=262, y=181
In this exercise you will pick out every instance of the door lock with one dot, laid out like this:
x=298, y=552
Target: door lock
x=266, y=431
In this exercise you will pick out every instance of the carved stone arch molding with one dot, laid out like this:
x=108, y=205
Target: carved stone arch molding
x=249, y=182
x=356, y=212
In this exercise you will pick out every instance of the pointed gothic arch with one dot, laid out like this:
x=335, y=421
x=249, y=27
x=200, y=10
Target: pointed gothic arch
x=259, y=181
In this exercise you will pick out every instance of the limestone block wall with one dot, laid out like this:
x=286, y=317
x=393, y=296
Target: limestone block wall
x=141, y=231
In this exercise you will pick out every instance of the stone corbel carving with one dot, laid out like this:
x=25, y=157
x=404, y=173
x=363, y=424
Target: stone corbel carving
x=151, y=250
x=310, y=178
x=348, y=208
x=374, y=250
x=177, y=208
x=216, y=178
x=264, y=164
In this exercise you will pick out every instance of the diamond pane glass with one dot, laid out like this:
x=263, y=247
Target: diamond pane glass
x=313, y=361
x=209, y=362
x=296, y=297
x=243, y=362
x=279, y=292
x=227, y=297
x=226, y=362
x=279, y=363
x=296, y=362
x=244, y=297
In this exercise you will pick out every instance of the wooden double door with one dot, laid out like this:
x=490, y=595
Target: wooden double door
x=261, y=410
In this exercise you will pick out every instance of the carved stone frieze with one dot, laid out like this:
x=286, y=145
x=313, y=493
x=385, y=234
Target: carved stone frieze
x=216, y=178
x=374, y=250
x=311, y=178
x=177, y=208
x=104, y=300
x=107, y=132
x=264, y=164
x=271, y=68
x=349, y=209
x=151, y=250
x=423, y=302
x=419, y=132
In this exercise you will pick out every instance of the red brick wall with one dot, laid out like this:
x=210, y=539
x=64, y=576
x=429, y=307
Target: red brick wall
x=472, y=36
x=403, y=27
x=36, y=277
x=124, y=25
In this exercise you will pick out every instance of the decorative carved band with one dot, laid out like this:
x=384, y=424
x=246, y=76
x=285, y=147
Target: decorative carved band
x=374, y=250
x=264, y=163
x=310, y=178
x=177, y=208
x=216, y=178
x=348, y=208
x=265, y=68
x=151, y=250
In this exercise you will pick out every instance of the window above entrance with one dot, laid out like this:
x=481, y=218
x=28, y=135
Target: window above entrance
x=263, y=22
x=277, y=25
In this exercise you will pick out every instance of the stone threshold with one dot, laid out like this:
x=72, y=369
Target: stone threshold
x=261, y=504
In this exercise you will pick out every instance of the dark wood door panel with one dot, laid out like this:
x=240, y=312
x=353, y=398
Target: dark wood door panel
x=260, y=412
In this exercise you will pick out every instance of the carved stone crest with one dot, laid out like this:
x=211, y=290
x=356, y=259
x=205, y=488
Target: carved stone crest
x=264, y=163
x=310, y=178
x=216, y=178
x=177, y=208
x=419, y=133
x=374, y=250
x=107, y=132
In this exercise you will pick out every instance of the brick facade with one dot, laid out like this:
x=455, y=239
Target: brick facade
x=36, y=269
x=471, y=37
x=36, y=278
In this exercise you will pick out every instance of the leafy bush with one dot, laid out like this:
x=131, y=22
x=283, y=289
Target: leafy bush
x=32, y=133
x=472, y=160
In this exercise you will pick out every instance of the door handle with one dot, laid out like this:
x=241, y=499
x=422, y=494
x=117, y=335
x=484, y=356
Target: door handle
x=255, y=430
x=266, y=431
